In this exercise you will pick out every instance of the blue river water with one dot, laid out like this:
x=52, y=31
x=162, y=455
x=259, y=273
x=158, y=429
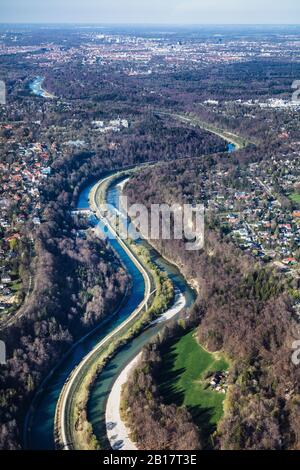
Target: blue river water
x=37, y=89
x=40, y=431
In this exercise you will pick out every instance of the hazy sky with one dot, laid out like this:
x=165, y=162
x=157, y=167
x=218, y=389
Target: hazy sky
x=151, y=11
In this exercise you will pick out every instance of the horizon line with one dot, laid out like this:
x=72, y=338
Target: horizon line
x=141, y=24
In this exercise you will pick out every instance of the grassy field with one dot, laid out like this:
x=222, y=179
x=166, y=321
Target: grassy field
x=184, y=367
x=295, y=198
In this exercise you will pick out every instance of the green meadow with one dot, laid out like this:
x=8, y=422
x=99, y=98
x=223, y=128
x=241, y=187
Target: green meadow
x=295, y=198
x=185, y=367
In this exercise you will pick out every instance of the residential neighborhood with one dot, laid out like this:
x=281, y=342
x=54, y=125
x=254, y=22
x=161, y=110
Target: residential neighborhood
x=259, y=208
x=20, y=215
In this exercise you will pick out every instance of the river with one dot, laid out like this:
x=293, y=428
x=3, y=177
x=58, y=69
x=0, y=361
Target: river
x=40, y=430
x=231, y=148
x=36, y=88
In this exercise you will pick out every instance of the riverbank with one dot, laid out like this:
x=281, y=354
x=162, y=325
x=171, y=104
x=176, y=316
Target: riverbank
x=118, y=432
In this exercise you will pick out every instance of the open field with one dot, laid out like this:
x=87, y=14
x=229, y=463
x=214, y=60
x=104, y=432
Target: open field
x=295, y=198
x=185, y=364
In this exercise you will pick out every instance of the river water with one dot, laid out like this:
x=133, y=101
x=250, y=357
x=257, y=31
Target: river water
x=40, y=434
x=37, y=89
